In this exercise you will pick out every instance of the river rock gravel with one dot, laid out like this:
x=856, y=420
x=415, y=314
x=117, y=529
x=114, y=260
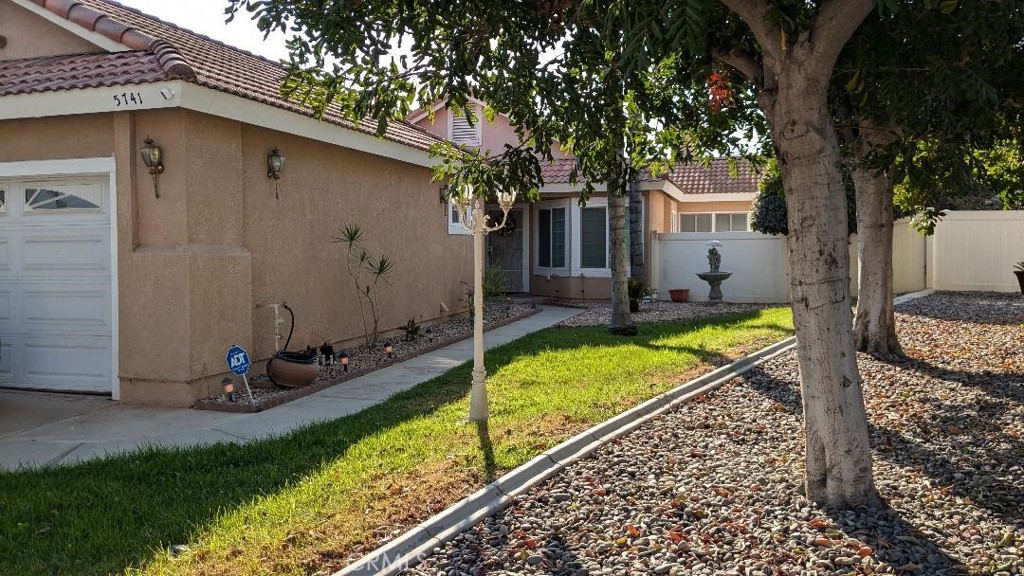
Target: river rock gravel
x=713, y=488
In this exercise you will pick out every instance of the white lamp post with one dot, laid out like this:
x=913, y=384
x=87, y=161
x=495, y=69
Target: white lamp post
x=478, y=226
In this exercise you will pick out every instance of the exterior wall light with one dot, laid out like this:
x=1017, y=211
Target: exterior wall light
x=275, y=166
x=153, y=157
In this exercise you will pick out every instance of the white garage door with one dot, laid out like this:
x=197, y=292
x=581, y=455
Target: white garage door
x=55, y=285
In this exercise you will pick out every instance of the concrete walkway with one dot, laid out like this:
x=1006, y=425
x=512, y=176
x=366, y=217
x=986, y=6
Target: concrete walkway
x=39, y=429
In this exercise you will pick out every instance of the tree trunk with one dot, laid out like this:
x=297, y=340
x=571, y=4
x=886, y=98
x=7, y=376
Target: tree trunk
x=621, y=321
x=874, y=329
x=638, y=268
x=838, y=452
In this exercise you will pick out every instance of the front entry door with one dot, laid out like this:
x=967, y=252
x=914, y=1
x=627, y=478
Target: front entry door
x=505, y=249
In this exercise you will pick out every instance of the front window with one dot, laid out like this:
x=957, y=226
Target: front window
x=594, y=238
x=551, y=238
x=714, y=222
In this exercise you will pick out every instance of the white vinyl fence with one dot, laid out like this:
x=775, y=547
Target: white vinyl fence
x=970, y=251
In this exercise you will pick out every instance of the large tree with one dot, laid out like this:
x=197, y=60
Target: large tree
x=513, y=53
x=916, y=93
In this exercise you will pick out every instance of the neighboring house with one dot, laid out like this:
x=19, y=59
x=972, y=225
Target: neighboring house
x=559, y=248
x=106, y=287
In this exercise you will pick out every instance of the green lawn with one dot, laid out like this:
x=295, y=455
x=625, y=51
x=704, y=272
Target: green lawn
x=300, y=504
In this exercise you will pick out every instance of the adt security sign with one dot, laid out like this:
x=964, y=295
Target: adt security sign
x=238, y=360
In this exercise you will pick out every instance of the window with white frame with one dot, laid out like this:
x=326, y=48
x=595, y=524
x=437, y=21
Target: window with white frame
x=714, y=222
x=460, y=131
x=454, y=226
x=551, y=237
x=594, y=237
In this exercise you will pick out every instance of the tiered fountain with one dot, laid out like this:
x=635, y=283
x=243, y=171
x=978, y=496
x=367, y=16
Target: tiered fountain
x=714, y=277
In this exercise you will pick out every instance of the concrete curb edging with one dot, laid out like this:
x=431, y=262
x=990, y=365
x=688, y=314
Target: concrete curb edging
x=408, y=549
x=412, y=547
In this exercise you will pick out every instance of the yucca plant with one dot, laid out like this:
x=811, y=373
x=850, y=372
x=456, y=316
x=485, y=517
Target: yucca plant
x=366, y=271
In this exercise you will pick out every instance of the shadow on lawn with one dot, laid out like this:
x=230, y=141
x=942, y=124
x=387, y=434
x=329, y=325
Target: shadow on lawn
x=970, y=472
x=101, y=516
x=104, y=515
x=487, y=450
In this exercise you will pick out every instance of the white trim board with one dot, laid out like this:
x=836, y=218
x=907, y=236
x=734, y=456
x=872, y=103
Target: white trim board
x=599, y=187
x=90, y=101
x=208, y=101
x=82, y=32
x=205, y=100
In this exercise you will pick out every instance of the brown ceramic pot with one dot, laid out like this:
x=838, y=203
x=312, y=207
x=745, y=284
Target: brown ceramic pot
x=290, y=370
x=679, y=294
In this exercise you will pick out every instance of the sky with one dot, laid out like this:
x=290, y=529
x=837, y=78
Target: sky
x=207, y=17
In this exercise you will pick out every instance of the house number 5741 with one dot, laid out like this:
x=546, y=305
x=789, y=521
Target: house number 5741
x=128, y=99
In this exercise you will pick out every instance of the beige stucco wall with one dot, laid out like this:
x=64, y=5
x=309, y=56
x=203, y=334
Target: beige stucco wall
x=323, y=189
x=197, y=265
x=29, y=36
x=713, y=206
x=571, y=289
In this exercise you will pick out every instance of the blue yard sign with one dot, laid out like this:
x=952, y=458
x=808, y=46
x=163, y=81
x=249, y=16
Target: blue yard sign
x=238, y=360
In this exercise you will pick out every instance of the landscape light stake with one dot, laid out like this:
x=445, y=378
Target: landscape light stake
x=343, y=355
x=477, y=226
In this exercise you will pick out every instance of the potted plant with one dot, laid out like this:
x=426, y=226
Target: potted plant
x=638, y=290
x=679, y=294
x=1018, y=271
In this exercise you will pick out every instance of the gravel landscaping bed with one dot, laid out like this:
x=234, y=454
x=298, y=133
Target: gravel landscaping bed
x=363, y=360
x=713, y=487
x=598, y=314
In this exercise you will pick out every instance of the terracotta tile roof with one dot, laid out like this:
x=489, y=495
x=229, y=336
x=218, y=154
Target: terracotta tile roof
x=208, y=62
x=714, y=179
x=556, y=172
x=34, y=75
x=690, y=178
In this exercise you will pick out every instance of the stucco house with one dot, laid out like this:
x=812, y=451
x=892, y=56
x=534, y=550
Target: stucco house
x=118, y=278
x=559, y=249
x=116, y=281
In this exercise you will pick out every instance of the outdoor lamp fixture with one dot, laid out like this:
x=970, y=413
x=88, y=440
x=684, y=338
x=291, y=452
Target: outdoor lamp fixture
x=275, y=166
x=476, y=224
x=153, y=157
x=389, y=349
x=343, y=358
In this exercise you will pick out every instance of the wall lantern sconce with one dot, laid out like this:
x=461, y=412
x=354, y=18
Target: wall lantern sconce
x=153, y=157
x=275, y=166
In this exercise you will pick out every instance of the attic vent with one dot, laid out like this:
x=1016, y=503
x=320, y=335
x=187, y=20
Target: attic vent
x=462, y=132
